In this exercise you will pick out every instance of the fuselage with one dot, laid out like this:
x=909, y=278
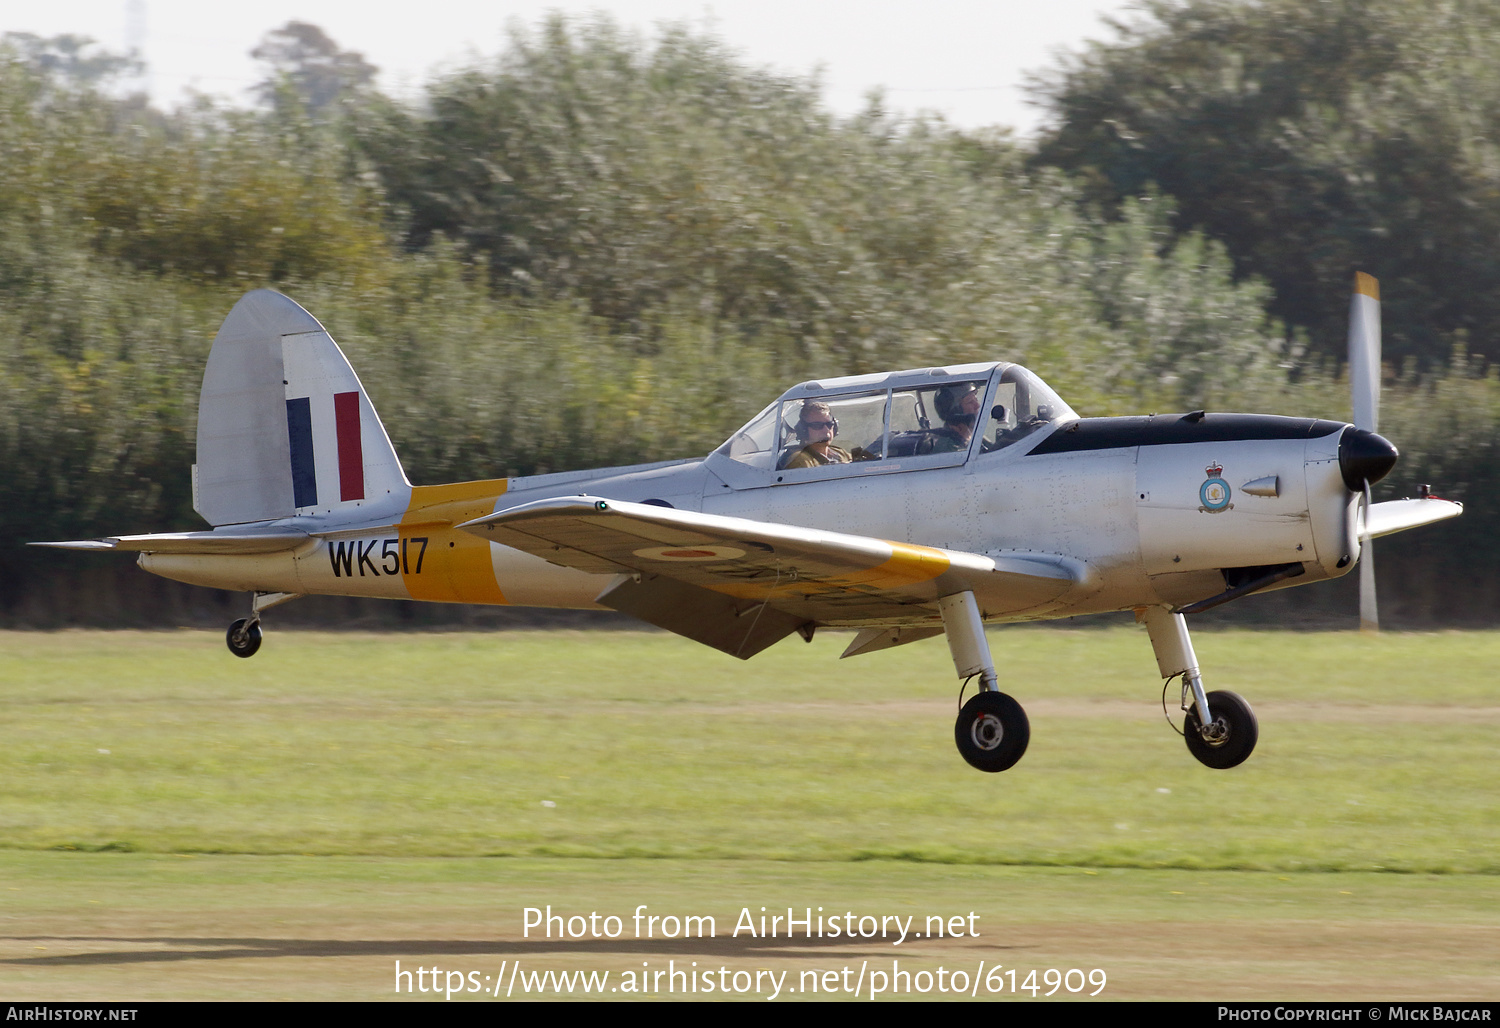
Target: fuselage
x=1158, y=510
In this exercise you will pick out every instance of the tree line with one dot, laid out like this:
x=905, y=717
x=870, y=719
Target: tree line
x=600, y=248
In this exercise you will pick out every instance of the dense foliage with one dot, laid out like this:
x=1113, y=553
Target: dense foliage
x=1311, y=139
x=596, y=249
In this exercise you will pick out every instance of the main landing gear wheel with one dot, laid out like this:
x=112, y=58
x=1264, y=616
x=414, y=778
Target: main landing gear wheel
x=992, y=731
x=243, y=637
x=1231, y=737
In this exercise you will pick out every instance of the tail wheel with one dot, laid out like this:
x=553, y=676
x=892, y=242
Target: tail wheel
x=243, y=637
x=992, y=731
x=1230, y=739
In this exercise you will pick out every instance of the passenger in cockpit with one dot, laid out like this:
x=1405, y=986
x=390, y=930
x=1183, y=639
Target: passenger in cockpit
x=816, y=426
x=958, y=406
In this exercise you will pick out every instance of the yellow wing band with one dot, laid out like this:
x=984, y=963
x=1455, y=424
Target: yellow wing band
x=907, y=565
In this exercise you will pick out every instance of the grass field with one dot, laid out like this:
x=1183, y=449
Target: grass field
x=178, y=823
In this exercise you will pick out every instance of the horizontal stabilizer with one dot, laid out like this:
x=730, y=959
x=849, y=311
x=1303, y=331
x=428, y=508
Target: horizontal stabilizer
x=1399, y=515
x=272, y=541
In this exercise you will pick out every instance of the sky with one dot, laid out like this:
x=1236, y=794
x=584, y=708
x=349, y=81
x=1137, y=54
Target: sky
x=962, y=58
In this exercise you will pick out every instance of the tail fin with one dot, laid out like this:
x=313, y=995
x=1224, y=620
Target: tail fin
x=284, y=426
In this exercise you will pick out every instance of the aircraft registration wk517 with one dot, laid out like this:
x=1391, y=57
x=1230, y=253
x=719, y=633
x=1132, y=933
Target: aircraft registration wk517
x=902, y=505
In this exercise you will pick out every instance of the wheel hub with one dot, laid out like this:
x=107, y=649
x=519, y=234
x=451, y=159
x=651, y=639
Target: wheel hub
x=987, y=732
x=1215, y=734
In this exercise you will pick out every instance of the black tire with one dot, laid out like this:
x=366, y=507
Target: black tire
x=992, y=731
x=243, y=637
x=1241, y=731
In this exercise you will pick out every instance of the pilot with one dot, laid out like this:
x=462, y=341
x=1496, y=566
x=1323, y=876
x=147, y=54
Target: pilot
x=816, y=426
x=958, y=406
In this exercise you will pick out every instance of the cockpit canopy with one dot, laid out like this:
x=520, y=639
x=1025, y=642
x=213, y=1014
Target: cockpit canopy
x=918, y=416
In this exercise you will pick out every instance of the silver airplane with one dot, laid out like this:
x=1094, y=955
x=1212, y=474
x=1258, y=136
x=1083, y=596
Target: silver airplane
x=903, y=506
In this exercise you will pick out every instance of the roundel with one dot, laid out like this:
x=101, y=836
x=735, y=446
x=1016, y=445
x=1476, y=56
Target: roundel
x=1214, y=494
x=691, y=553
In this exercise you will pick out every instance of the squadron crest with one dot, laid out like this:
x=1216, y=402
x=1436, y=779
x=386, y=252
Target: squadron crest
x=1214, y=493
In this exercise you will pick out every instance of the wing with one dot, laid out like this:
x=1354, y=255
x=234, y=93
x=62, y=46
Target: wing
x=1399, y=515
x=740, y=585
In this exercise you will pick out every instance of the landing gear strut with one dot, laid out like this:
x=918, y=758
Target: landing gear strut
x=1220, y=729
x=992, y=730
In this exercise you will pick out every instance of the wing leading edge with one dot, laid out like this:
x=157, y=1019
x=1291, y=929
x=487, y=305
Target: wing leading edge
x=741, y=585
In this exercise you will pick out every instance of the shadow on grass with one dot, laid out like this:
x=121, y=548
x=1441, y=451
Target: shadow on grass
x=181, y=949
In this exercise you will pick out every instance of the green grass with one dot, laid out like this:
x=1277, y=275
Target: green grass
x=171, y=927
x=146, y=926
x=1375, y=754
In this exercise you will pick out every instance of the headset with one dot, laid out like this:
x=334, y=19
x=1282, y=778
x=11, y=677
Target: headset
x=801, y=427
x=947, y=403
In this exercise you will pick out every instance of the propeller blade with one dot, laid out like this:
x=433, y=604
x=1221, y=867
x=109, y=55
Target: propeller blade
x=1364, y=388
x=1369, y=615
x=1364, y=352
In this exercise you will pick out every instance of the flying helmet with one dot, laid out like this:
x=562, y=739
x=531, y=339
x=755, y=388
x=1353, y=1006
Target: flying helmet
x=949, y=403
